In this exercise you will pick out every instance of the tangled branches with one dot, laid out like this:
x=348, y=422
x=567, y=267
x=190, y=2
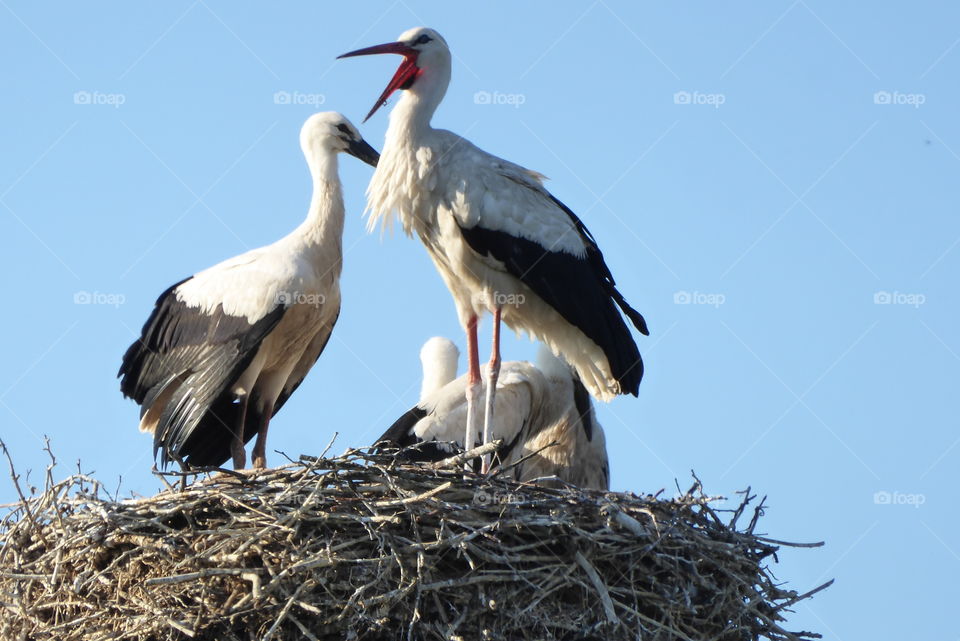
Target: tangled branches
x=361, y=547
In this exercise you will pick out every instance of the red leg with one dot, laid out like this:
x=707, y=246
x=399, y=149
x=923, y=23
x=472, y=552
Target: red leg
x=492, y=377
x=473, y=351
x=473, y=386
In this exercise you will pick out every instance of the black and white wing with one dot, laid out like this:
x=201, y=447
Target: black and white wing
x=537, y=239
x=183, y=366
x=435, y=428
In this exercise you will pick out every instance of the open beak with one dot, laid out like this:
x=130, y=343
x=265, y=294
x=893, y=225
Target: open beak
x=407, y=71
x=362, y=150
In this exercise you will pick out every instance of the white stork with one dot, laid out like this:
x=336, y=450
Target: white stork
x=500, y=240
x=542, y=413
x=224, y=349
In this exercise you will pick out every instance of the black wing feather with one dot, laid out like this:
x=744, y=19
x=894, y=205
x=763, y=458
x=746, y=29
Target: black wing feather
x=581, y=290
x=412, y=449
x=600, y=266
x=400, y=434
x=581, y=400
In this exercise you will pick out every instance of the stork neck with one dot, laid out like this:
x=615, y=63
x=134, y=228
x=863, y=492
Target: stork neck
x=436, y=375
x=324, y=222
x=416, y=107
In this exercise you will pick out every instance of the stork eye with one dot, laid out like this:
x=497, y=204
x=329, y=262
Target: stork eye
x=346, y=130
x=422, y=40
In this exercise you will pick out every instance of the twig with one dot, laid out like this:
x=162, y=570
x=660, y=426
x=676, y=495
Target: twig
x=600, y=587
x=193, y=576
x=463, y=457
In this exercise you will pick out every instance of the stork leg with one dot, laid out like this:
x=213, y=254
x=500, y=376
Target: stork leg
x=259, y=452
x=473, y=386
x=236, y=443
x=493, y=375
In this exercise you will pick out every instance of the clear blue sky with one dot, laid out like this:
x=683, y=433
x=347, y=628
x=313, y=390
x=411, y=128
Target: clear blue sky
x=811, y=223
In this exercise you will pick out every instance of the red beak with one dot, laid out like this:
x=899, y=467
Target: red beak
x=407, y=71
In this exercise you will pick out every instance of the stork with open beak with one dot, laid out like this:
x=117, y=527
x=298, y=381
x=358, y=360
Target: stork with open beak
x=500, y=240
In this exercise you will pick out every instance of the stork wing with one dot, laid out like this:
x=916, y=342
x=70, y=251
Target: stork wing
x=184, y=361
x=210, y=445
x=540, y=241
x=437, y=425
x=306, y=362
x=250, y=285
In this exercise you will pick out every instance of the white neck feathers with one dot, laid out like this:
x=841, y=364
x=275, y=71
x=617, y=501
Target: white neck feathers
x=324, y=222
x=439, y=357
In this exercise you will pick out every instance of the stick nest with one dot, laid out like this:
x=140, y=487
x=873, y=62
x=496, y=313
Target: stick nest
x=360, y=546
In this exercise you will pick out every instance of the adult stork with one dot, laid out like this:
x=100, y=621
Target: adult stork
x=500, y=240
x=542, y=413
x=224, y=349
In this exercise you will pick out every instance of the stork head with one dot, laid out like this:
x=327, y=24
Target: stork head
x=426, y=62
x=329, y=132
x=439, y=358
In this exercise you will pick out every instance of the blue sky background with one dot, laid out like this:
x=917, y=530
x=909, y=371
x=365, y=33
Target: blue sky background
x=790, y=235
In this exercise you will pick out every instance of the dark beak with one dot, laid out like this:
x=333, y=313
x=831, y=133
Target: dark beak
x=405, y=74
x=390, y=47
x=362, y=150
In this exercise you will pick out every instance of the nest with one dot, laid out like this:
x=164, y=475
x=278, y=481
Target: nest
x=360, y=546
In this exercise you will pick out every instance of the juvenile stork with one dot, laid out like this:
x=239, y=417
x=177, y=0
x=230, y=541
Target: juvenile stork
x=224, y=349
x=543, y=414
x=500, y=240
